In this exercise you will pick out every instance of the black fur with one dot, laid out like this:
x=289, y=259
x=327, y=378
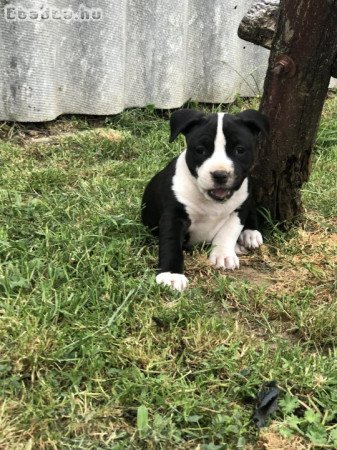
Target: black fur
x=163, y=213
x=167, y=219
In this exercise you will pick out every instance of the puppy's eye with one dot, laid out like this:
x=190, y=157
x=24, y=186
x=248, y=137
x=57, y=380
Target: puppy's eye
x=201, y=150
x=240, y=150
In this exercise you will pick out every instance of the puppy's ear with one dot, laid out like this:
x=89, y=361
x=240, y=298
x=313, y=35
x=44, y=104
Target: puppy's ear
x=255, y=121
x=182, y=120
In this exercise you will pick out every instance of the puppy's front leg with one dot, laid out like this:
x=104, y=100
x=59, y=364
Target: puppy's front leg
x=173, y=226
x=223, y=253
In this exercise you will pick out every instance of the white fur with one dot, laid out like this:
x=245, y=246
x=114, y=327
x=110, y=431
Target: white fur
x=207, y=216
x=211, y=222
x=221, y=260
x=250, y=239
x=223, y=254
x=219, y=160
x=174, y=280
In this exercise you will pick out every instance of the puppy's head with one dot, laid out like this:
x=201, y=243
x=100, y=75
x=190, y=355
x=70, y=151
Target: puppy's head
x=220, y=147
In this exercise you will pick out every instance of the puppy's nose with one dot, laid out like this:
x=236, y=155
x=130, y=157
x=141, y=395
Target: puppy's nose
x=220, y=176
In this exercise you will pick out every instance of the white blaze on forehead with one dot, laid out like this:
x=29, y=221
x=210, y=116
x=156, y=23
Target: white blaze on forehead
x=220, y=158
x=220, y=140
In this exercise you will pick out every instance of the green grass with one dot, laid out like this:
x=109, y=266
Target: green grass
x=322, y=188
x=95, y=355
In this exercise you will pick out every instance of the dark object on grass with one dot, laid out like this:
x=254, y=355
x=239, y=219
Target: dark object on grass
x=266, y=404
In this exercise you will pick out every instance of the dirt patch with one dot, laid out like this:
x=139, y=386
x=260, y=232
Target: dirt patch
x=60, y=128
x=103, y=133
x=256, y=276
x=306, y=260
x=272, y=440
x=311, y=265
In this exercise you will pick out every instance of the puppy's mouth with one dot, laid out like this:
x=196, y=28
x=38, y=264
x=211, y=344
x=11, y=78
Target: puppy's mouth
x=220, y=194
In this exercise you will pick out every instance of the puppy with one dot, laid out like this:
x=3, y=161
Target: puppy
x=204, y=195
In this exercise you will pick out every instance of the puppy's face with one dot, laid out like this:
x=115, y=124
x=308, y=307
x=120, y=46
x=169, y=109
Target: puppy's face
x=220, y=148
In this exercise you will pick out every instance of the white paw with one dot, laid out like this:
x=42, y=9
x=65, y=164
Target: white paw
x=221, y=258
x=175, y=280
x=250, y=239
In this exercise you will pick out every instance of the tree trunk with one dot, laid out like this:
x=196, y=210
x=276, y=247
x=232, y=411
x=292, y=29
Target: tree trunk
x=303, y=52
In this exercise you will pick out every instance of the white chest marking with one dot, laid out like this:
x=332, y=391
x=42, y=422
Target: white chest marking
x=206, y=215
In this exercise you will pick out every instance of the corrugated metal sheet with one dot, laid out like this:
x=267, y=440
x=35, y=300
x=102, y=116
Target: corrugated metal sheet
x=122, y=53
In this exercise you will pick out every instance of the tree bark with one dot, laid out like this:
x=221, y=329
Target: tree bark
x=302, y=55
x=259, y=23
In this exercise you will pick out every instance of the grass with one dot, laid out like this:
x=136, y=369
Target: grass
x=95, y=355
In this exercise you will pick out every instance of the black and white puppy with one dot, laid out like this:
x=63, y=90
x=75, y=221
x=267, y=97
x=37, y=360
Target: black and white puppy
x=203, y=195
